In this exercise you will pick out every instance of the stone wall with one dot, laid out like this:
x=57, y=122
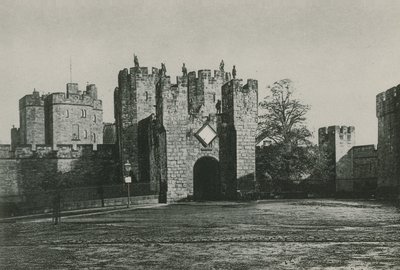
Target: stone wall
x=36, y=168
x=357, y=170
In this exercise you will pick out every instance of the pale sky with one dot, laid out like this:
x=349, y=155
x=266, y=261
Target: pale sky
x=340, y=54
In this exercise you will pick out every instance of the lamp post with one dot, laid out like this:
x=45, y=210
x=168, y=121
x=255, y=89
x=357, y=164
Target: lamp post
x=128, y=178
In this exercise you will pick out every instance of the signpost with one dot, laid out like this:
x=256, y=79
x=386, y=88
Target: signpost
x=128, y=178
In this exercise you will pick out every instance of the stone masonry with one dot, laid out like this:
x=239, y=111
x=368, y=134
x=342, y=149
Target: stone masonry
x=388, y=114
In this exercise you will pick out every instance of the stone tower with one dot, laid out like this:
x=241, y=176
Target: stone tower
x=237, y=136
x=31, y=119
x=74, y=117
x=337, y=141
x=388, y=113
x=134, y=100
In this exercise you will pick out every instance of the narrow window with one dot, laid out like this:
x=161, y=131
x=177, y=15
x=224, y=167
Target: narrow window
x=213, y=97
x=85, y=134
x=75, y=132
x=66, y=113
x=94, y=118
x=147, y=96
x=94, y=137
x=83, y=113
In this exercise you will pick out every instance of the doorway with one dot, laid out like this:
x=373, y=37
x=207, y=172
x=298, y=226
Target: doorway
x=206, y=179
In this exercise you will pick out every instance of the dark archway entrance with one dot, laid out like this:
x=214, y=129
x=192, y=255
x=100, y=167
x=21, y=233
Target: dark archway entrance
x=206, y=179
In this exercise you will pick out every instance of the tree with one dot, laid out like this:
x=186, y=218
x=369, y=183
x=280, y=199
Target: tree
x=283, y=120
x=291, y=155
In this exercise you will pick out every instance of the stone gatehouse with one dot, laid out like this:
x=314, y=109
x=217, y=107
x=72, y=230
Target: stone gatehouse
x=194, y=137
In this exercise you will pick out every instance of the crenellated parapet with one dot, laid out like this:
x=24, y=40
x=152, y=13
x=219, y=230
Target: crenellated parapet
x=59, y=151
x=336, y=137
x=74, y=99
x=349, y=131
x=143, y=72
x=34, y=99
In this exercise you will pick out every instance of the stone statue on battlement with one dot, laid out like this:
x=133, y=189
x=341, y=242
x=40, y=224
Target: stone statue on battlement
x=184, y=70
x=163, y=69
x=221, y=66
x=136, y=61
x=234, y=72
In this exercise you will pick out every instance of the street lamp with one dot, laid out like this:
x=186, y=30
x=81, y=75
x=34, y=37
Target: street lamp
x=128, y=178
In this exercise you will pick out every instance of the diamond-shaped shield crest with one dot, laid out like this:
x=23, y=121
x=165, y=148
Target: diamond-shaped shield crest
x=206, y=134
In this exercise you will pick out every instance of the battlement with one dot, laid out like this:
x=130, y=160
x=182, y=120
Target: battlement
x=142, y=72
x=33, y=99
x=204, y=75
x=5, y=150
x=250, y=86
x=388, y=101
x=91, y=90
x=74, y=99
x=336, y=130
x=56, y=151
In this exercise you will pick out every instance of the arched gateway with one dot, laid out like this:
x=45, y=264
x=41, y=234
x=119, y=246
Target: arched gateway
x=206, y=179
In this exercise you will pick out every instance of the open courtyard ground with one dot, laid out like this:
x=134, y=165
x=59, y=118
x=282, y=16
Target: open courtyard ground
x=276, y=234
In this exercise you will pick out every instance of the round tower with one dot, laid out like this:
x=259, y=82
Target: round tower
x=388, y=114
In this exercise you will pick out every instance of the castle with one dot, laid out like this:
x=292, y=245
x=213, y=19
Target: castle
x=74, y=117
x=195, y=137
